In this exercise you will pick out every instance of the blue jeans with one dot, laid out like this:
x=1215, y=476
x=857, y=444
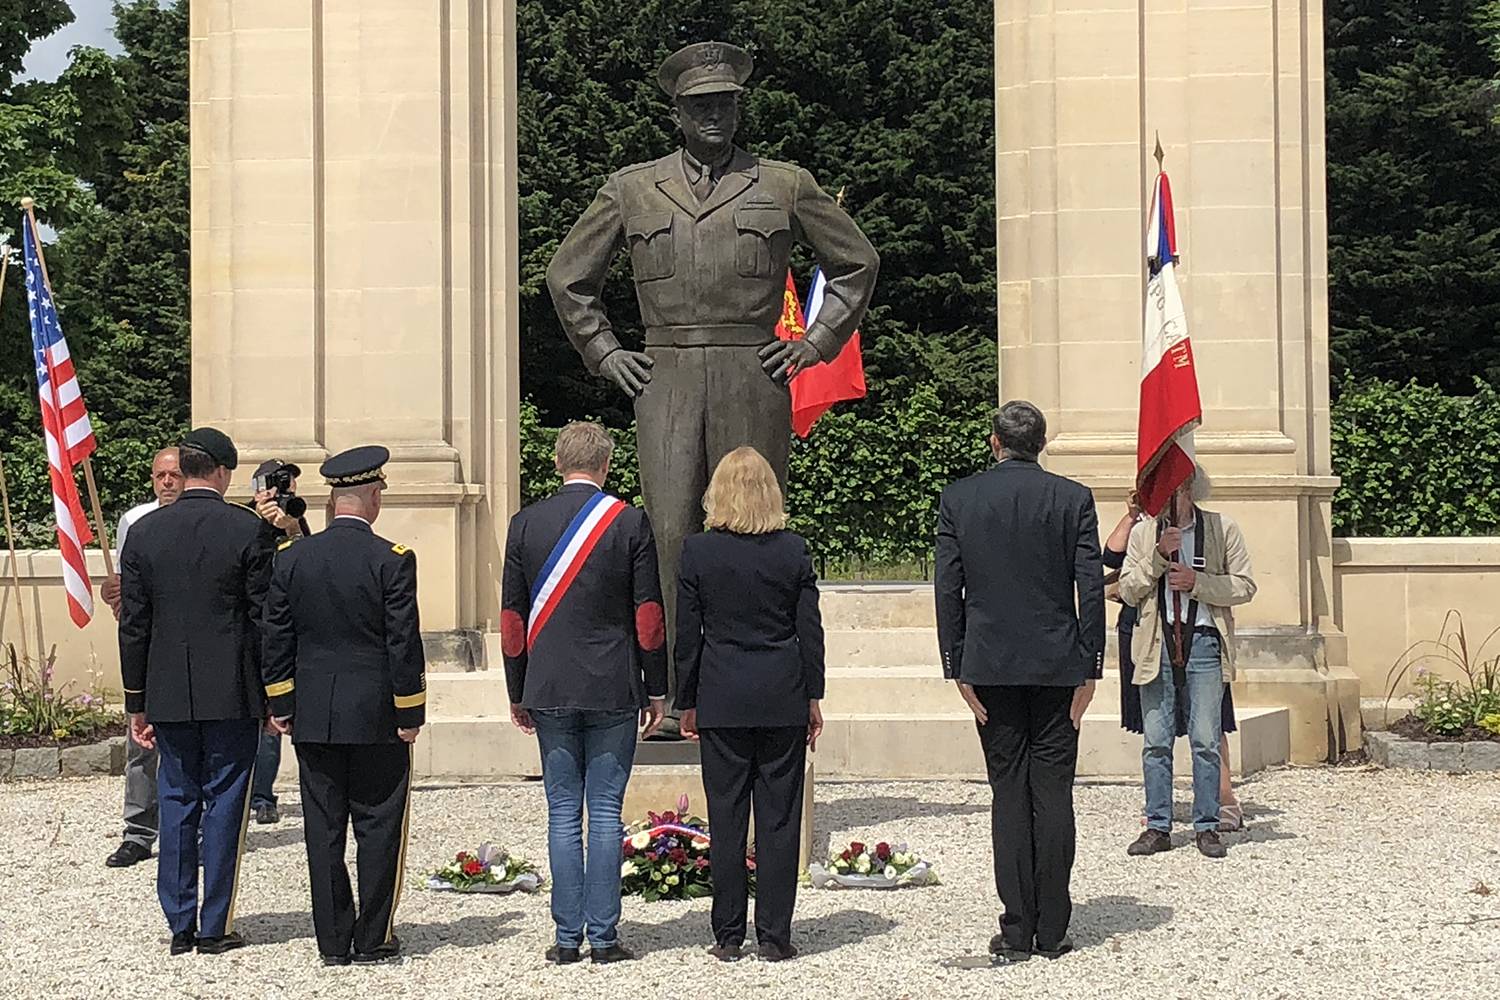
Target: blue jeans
x=1205, y=695
x=586, y=757
x=267, y=763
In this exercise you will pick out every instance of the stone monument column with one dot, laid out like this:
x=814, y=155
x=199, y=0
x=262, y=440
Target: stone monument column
x=1236, y=93
x=354, y=261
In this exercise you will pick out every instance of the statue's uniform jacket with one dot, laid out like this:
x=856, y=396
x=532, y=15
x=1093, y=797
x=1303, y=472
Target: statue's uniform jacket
x=711, y=280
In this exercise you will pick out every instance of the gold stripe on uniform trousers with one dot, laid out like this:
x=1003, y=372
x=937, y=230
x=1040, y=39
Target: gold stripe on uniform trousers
x=411, y=766
x=239, y=857
x=280, y=688
x=409, y=700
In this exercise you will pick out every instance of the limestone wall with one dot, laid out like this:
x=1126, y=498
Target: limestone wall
x=1392, y=592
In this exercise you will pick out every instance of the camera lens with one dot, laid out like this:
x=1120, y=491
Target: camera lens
x=294, y=506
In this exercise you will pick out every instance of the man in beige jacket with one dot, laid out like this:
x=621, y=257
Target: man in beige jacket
x=1184, y=580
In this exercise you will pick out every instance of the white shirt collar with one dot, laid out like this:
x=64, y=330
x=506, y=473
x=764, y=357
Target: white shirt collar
x=351, y=517
x=581, y=479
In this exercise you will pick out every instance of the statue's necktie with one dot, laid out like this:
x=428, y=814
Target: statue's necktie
x=704, y=185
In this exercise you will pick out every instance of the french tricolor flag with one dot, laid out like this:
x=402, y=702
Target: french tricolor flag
x=1170, y=408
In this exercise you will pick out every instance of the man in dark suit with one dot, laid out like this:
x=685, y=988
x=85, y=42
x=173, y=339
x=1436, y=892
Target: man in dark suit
x=192, y=589
x=1014, y=546
x=584, y=640
x=345, y=674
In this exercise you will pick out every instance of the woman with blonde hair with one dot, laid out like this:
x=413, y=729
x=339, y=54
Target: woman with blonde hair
x=750, y=669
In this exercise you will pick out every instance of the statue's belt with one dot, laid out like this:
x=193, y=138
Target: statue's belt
x=728, y=335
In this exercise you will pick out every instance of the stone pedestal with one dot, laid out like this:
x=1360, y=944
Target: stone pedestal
x=355, y=260
x=1236, y=94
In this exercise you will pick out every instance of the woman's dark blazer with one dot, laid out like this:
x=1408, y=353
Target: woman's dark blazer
x=749, y=635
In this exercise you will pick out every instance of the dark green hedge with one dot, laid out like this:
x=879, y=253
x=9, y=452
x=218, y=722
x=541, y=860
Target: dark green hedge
x=1415, y=461
x=862, y=491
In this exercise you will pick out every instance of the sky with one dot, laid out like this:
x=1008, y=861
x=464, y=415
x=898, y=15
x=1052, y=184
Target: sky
x=93, y=24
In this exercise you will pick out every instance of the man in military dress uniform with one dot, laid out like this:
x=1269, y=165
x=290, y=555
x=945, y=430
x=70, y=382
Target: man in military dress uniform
x=709, y=229
x=345, y=675
x=192, y=590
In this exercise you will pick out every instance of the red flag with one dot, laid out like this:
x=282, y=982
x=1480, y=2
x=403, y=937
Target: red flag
x=816, y=389
x=1170, y=407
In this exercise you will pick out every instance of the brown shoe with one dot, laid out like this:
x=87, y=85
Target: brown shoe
x=1210, y=845
x=1149, y=842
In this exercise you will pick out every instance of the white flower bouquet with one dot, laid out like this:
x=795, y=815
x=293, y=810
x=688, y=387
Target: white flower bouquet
x=490, y=869
x=882, y=866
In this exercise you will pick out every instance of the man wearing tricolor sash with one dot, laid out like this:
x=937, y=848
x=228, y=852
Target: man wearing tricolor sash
x=583, y=635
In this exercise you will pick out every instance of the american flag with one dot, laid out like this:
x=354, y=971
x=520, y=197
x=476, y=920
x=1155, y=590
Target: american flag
x=65, y=425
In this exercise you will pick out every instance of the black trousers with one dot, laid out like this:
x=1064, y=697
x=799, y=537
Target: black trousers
x=370, y=784
x=1031, y=753
x=764, y=766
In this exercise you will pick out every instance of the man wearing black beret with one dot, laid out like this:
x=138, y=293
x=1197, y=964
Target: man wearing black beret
x=192, y=591
x=345, y=674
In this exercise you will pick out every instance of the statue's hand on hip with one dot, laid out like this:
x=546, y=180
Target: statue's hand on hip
x=784, y=358
x=630, y=370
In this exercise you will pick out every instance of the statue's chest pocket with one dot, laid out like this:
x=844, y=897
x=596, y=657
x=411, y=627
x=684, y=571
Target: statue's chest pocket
x=763, y=242
x=650, y=239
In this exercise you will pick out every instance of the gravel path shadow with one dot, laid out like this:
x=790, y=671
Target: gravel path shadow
x=471, y=931
x=1097, y=920
x=812, y=936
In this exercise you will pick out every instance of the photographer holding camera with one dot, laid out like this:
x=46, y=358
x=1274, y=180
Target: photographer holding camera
x=285, y=514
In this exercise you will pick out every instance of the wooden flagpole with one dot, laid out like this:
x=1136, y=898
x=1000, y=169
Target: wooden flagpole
x=88, y=466
x=10, y=534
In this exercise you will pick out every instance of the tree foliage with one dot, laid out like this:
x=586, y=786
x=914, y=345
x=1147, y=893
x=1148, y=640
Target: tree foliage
x=890, y=101
x=1414, y=189
x=104, y=150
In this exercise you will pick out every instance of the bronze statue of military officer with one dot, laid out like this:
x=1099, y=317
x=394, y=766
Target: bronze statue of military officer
x=710, y=230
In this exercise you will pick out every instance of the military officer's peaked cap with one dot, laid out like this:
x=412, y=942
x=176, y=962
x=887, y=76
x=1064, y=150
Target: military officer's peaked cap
x=705, y=68
x=214, y=443
x=356, y=467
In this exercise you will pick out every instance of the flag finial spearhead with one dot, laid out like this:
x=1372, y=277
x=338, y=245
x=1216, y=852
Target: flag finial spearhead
x=1160, y=154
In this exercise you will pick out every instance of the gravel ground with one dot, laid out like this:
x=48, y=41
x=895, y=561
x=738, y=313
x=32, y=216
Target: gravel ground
x=1349, y=883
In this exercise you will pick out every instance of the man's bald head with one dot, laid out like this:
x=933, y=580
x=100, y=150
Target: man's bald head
x=166, y=476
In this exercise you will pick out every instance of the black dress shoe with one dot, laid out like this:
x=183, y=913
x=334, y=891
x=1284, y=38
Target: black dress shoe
x=1210, y=845
x=1056, y=951
x=127, y=854
x=558, y=955
x=1149, y=842
x=1004, y=954
x=219, y=945
x=771, y=953
x=184, y=942
x=335, y=960
x=727, y=952
x=385, y=953
x=614, y=953
x=266, y=815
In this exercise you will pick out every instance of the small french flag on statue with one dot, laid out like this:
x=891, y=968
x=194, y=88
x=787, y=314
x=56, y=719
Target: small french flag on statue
x=1170, y=407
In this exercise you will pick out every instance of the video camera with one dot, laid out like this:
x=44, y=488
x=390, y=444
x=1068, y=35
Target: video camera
x=279, y=477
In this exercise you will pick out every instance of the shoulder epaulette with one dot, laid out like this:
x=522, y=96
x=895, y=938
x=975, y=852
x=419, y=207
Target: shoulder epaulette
x=400, y=549
x=635, y=168
x=285, y=544
x=243, y=506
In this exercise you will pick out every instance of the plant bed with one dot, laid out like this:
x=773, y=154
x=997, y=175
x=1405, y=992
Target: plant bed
x=1455, y=724
x=1393, y=750
x=103, y=734
x=45, y=732
x=1412, y=728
